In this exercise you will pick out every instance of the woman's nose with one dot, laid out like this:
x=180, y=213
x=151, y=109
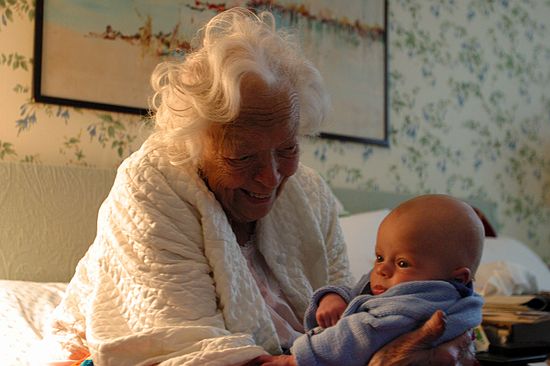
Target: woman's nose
x=268, y=173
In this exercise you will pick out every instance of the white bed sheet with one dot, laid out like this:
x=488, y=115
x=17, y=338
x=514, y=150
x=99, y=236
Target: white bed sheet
x=24, y=312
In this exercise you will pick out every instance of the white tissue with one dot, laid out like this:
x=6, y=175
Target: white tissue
x=505, y=278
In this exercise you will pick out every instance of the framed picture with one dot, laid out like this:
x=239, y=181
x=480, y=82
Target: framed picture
x=100, y=54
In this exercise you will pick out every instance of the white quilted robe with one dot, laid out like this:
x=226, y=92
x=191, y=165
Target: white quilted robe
x=165, y=281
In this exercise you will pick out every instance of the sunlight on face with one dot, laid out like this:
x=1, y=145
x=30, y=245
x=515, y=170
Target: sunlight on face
x=402, y=256
x=247, y=162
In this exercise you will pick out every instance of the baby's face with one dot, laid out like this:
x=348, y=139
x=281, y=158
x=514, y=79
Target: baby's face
x=401, y=257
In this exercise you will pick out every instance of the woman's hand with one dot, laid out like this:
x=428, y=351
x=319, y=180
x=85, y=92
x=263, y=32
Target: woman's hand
x=331, y=307
x=415, y=348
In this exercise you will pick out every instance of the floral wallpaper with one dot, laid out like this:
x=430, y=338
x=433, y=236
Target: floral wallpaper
x=469, y=111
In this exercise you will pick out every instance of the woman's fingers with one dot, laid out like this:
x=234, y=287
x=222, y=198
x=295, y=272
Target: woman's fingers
x=434, y=328
x=415, y=348
x=459, y=351
x=412, y=348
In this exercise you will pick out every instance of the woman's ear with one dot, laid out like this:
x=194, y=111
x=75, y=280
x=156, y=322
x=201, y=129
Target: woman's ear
x=462, y=274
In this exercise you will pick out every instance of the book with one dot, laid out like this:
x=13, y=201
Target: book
x=517, y=320
x=539, y=301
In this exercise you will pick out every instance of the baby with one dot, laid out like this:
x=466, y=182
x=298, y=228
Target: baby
x=427, y=252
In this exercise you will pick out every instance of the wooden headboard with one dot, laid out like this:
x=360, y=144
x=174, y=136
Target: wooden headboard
x=355, y=201
x=48, y=217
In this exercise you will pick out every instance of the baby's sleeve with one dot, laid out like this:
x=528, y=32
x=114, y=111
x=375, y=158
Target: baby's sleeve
x=310, y=321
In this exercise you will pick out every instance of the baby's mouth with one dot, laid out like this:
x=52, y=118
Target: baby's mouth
x=377, y=290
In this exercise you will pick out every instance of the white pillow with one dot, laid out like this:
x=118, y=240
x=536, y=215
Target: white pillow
x=509, y=250
x=360, y=235
x=504, y=278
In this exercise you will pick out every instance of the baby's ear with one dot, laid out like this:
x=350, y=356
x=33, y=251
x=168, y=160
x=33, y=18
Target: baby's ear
x=462, y=274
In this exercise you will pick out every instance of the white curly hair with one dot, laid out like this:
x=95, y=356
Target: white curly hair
x=204, y=88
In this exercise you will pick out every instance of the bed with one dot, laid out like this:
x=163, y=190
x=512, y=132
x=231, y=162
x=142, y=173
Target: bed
x=48, y=221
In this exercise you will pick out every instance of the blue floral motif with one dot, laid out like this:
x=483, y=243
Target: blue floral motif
x=367, y=152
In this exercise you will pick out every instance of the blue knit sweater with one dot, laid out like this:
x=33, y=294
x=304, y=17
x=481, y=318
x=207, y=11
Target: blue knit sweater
x=369, y=322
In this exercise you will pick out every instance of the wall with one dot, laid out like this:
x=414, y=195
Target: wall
x=469, y=111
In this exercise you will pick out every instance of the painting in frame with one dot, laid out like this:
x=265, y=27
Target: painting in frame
x=100, y=54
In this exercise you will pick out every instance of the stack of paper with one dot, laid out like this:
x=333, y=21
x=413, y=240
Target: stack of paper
x=517, y=319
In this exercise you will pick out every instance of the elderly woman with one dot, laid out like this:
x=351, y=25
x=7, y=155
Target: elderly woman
x=214, y=236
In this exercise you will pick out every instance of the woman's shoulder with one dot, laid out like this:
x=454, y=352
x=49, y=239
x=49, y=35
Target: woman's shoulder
x=307, y=188
x=312, y=185
x=309, y=178
x=146, y=158
x=150, y=170
x=150, y=162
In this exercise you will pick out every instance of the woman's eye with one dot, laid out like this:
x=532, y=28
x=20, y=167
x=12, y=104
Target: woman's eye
x=244, y=158
x=241, y=158
x=289, y=150
x=402, y=264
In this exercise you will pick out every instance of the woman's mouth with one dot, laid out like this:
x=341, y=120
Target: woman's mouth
x=258, y=196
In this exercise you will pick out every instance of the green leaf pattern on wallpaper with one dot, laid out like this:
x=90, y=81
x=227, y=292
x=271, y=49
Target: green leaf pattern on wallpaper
x=15, y=61
x=469, y=111
x=506, y=139
x=10, y=8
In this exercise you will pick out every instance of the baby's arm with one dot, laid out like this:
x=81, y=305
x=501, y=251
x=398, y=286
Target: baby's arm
x=333, y=300
x=351, y=342
x=337, y=295
x=330, y=310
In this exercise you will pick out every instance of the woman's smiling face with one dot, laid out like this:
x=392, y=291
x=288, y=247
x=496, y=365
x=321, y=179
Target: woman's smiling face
x=247, y=162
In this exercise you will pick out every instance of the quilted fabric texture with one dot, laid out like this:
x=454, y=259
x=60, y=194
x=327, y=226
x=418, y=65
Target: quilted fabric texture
x=165, y=280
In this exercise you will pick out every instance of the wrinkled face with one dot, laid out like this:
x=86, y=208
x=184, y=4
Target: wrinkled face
x=404, y=253
x=247, y=162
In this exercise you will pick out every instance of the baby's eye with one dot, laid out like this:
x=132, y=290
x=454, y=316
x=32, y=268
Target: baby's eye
x=402, y=264
x=379, y=258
